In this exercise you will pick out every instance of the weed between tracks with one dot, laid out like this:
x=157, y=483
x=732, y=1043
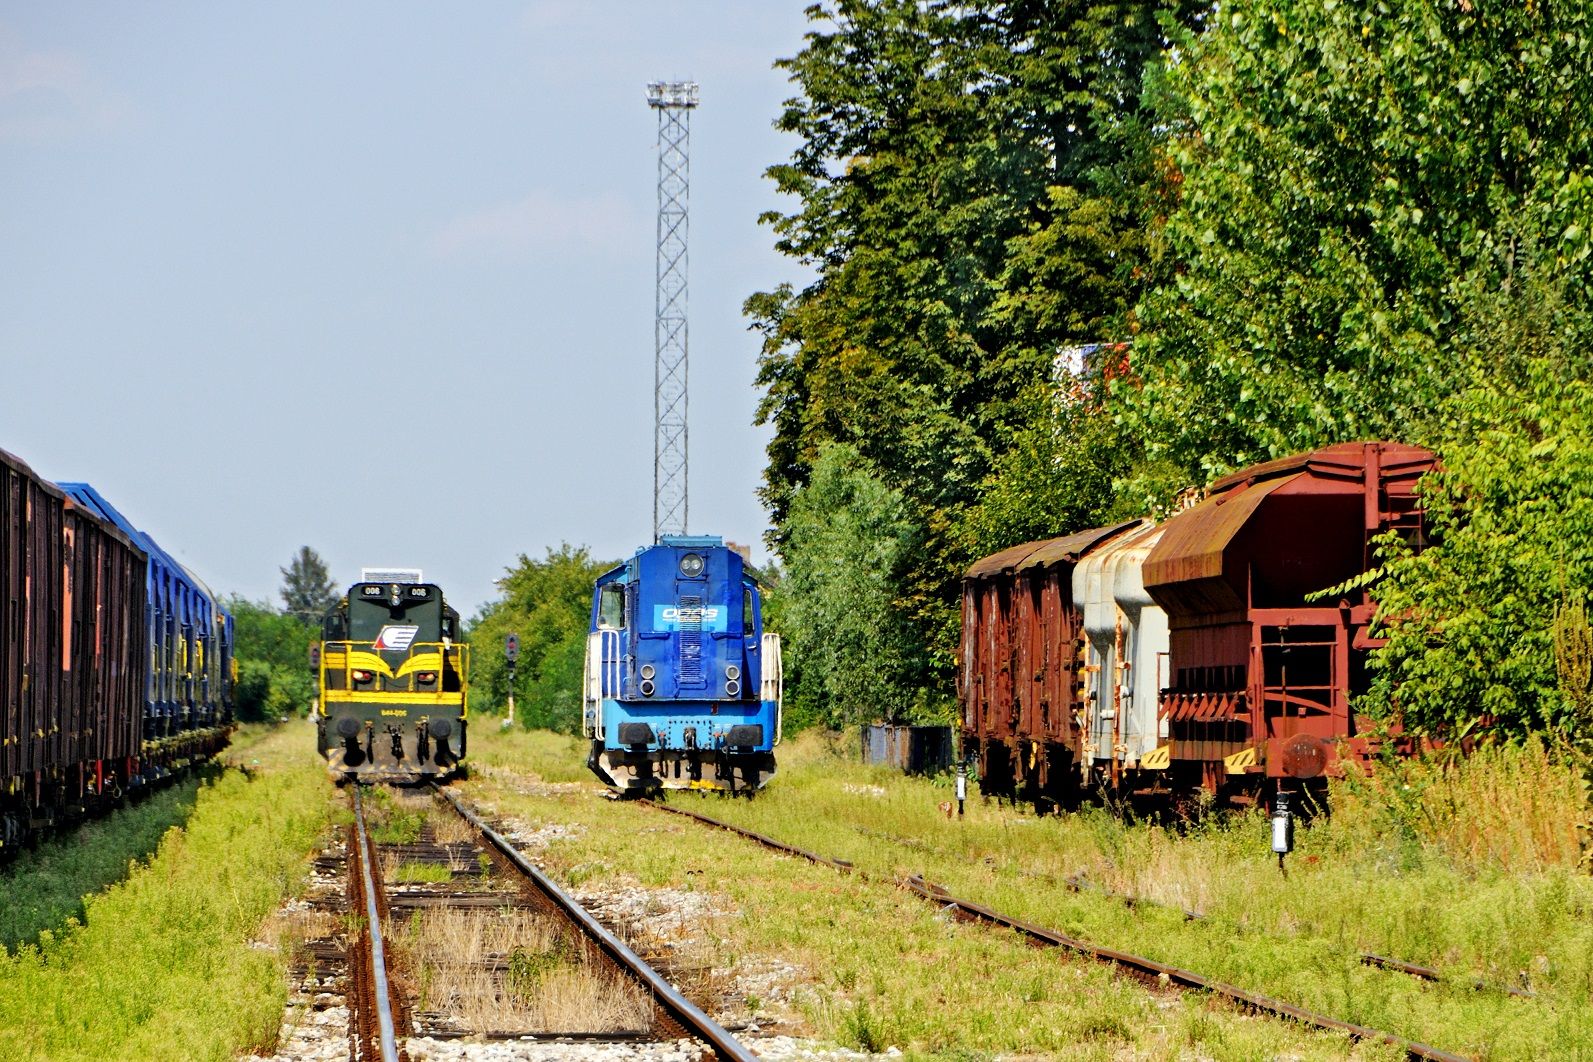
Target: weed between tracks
x=511, y=971
x=881, y=968
x=494, y=969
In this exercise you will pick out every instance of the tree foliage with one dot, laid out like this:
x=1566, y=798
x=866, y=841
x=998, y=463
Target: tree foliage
x=854, y=657
x=1471, y=621
x=1345, y=170
x=273, y=653
x=307, y=587
x=1314, y=221
x=969, y=180
x=547, y=603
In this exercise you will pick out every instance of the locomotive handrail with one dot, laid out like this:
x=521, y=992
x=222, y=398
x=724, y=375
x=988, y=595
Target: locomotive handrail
x=343, y=656
x=773, y=681
x=602, y=675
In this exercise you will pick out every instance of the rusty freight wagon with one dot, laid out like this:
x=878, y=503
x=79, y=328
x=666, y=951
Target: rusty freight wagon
x=1263, y=667
x=71, y=654
x=77, y=638
x=1020, y=682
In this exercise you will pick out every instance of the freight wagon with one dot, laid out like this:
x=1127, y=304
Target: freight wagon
x=115, y=664
x=1219, y=651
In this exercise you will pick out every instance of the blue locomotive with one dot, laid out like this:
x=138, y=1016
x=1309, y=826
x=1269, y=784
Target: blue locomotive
x=682, y=686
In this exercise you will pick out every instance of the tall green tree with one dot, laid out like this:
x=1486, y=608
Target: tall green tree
x=273, y=653
x=1342, y=167
x=854, y=656
x=307, y=587
x=970, y=180
x=547, y=603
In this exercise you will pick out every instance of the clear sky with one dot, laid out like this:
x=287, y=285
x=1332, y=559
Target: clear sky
x=377, y=278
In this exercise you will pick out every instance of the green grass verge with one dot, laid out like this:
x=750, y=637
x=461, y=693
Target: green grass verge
x=45, y=887
x=162, y=966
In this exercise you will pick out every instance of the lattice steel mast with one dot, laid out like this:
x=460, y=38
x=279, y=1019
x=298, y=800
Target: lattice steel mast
x=674, y=102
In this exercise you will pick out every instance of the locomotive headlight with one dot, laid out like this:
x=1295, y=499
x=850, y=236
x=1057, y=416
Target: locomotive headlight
x=732, y=688
x=647, y=688
x=426, y=678
x=648, y=671
x=691, y=565
x=361, y=675
x=733, y=671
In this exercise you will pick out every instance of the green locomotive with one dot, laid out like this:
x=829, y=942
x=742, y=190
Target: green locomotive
x=393, y=683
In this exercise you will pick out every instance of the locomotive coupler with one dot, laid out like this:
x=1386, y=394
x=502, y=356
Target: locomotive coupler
x=397, y=734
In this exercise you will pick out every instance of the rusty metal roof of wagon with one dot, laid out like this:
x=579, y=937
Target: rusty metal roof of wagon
x=1192, y=544
x=1045, y=552
x=1341, y=460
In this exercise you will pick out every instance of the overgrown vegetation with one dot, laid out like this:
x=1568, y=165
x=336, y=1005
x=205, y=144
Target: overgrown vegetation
x=273, y=652
x=45, y=887
x=1471, y=619
x=1464, y=866
x=546, y=602
x=1322, y=222
x=162, y=967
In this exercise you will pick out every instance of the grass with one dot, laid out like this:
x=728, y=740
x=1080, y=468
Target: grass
x=162, y=965
x=881, y=967
x=1473, y=873
x=44, y=888
x=547, y=987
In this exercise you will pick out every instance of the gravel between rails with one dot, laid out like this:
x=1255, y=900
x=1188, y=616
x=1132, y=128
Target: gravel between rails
x=315, y=1024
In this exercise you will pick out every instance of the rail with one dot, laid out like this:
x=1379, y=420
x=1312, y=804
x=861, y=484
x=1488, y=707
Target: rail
x=384, y=1008
x=668, y=997
x=1147, y=969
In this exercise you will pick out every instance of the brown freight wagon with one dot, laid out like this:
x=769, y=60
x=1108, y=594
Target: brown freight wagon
x=72, y=664
x=1019, y=681
x=1261, y=677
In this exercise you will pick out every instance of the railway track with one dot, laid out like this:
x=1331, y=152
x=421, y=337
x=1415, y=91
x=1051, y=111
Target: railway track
x=1148, y=970
x=1081, y=884
x=458, y=932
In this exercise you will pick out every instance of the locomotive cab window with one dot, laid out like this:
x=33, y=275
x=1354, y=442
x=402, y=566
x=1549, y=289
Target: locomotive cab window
x=749, y=616
x=611, y=607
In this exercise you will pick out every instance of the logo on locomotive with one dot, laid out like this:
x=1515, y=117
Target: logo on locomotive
x=707, y=618
x=396, y=636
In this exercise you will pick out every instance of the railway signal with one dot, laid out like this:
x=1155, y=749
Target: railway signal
x=511, y=653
